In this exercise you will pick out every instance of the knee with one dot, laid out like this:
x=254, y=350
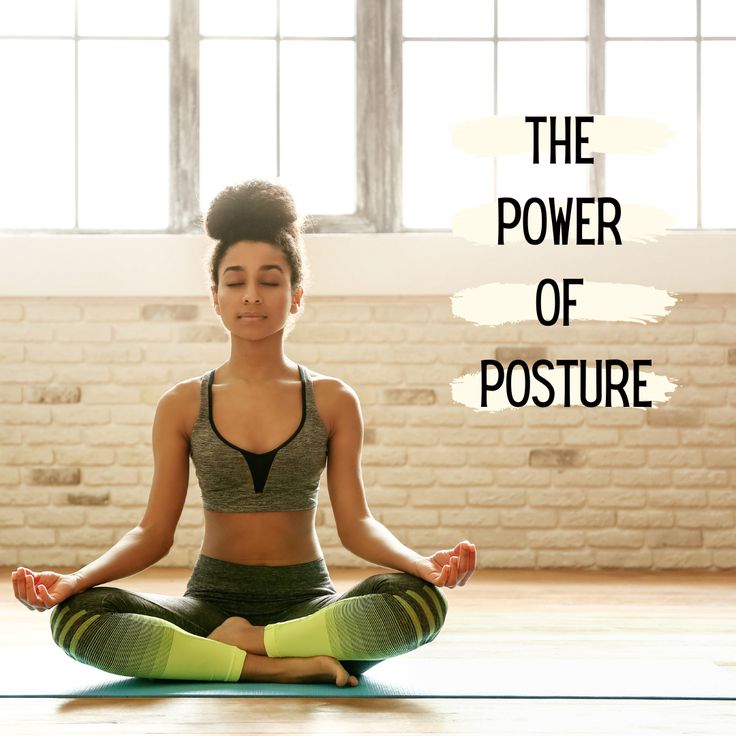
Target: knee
x=430, y=597
x=427, y=599
x=100, y=599
x=440, y=605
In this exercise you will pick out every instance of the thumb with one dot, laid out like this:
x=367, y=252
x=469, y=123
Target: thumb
x=46, y=595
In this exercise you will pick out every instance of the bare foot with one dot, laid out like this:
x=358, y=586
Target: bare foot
x=241, y=633
x=258, y=667
x=321, y=668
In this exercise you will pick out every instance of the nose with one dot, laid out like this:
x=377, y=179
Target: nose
x=251, y=295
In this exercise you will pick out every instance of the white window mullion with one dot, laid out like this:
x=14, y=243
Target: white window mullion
x=698, y=174
x=76, y=115
x=184, y=214
x=596, y=84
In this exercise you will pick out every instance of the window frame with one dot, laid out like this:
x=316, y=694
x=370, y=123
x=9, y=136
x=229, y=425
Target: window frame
x=378, y=121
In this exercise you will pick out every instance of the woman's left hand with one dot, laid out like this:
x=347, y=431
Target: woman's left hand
x=448, y=567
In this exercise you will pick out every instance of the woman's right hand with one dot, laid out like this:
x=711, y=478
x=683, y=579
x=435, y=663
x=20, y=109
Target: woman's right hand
x=39, y=591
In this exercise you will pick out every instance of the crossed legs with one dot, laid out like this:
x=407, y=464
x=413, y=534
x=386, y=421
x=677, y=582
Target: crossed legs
x=322, y=640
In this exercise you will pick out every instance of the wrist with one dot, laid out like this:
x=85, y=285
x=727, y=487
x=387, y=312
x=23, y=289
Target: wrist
x=415, y=564
x=79, y=584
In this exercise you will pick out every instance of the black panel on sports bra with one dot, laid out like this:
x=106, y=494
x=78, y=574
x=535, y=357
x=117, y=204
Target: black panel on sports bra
x=283, y=479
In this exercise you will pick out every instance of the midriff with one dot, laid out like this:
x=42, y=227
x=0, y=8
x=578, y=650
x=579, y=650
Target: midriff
x=262, y=538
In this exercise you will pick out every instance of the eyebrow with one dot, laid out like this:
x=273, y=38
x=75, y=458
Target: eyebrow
x=267, y=267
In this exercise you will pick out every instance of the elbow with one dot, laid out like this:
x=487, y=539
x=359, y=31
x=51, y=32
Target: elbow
x=157, y=540
x=347, y=534
x=344, y=538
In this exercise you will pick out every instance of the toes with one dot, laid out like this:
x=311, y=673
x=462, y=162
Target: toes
x=343, y=678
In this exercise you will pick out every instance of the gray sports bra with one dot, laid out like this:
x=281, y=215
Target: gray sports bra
x=283, y=479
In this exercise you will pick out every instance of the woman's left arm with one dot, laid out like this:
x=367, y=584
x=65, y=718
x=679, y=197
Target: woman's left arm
x=358, y=530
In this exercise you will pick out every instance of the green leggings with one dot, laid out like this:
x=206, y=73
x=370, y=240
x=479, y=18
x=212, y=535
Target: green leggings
x=165, y=637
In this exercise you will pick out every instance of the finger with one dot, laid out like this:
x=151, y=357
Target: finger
x=452, y=575
x=472, y=563
x=21, y=580
x=19, y=586
x=31, y=590
x=463, y=567
x=22, y=586
x=443, y=575
x=45, y=595
x=455, y=571
x=468, y=565
x=14, y=578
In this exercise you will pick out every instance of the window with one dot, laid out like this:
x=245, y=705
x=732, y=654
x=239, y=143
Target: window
x=278, y=98
x=471, y=59
x=129, y=115
x=673, y=60
x=85, y=114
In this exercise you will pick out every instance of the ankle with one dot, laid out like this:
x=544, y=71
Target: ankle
x=257, y=668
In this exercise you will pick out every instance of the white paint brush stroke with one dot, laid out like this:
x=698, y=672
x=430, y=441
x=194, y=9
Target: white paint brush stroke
x=466, y=390
x=638, y=224
x=500, y=303
x=498, y=135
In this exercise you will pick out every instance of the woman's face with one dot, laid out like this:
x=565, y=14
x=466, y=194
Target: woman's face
x=254, y=277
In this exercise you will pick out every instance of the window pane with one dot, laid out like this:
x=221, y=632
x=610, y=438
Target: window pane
x=655, y=80
x=446, y=20
x=123, y=134
x=541, y=78
x=651, y=18
x=718, y=146
x=237, y=18
x=37, y=18
x=318, y=157
x=445, y=83
x=542, y=18
x=237, y=131
x=123, y=17
x=718, y=17
x=37, y=134
x=317, y=18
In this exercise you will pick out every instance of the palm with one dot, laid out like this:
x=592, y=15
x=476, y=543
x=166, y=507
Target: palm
x=59, y=586
x=439, y=559
x=448, y=567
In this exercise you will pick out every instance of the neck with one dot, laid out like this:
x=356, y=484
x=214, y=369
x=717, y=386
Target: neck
x=257, y=362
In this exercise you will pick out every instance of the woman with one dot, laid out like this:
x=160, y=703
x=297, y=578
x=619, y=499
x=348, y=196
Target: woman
x=260, y=604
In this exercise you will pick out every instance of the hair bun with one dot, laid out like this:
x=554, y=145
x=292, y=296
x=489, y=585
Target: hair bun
x=253, y=210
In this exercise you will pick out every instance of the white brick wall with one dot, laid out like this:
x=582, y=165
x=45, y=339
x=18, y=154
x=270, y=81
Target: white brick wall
x=555, y=487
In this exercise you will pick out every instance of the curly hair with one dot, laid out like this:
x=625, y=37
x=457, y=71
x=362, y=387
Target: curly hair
x=256, y=210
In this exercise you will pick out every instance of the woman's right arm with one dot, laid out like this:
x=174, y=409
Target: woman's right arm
x=136, y=551
x=153, y=537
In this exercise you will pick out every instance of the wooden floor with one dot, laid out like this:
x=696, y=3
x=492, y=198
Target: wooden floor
x=500, y=614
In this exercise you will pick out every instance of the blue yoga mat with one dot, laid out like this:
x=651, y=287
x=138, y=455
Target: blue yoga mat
x=52, y=674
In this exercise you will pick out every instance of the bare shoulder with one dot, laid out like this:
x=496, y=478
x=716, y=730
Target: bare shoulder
x=330, y=387
x=183, y=401
x=334, y=397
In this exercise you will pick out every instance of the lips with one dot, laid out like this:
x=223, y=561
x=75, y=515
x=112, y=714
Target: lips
x=251, y=315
